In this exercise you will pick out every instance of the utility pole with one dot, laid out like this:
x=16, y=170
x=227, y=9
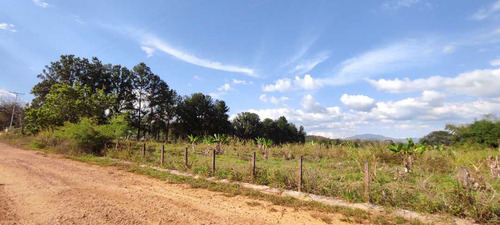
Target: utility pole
x=13, y=108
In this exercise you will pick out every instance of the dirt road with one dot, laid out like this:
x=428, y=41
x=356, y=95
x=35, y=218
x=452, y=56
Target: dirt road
x=37, y=188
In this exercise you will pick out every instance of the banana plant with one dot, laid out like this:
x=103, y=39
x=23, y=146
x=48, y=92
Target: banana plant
x=267, y=143
x=208, y=140
x=259, y=142
x=220, y=140
x=408, y=152
x=193, y=139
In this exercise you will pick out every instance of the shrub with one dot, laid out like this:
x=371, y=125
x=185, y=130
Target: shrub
x=85, y=136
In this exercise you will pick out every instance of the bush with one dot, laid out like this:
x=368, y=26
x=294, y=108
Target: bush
x=84, y=135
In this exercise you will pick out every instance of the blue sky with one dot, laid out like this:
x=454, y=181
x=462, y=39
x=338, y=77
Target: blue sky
x=400, y=68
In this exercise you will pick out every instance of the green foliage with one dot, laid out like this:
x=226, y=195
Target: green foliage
x=118, y=127
x=198, y=114
x=247, y=125
x=409, y=148
x=85, y=136
x=438, y=138
x=485, y=132
x=65, y=103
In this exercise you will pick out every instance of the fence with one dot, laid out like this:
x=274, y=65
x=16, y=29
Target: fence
x=300, y=172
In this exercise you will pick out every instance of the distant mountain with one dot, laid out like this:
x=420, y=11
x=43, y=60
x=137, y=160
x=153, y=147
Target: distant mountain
x=377, y=137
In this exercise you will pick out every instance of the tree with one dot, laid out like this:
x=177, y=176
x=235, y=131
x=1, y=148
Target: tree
x=485, y=131
x=162, y=101
x=247, y=125
x=142, y=77
x=438, y=138
x=199, y=115
x=65, y=103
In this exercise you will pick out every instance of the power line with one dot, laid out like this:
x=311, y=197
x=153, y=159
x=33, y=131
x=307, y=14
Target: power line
x=14, y=107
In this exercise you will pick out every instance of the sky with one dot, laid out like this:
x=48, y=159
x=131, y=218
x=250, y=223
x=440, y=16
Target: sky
x=400, y=68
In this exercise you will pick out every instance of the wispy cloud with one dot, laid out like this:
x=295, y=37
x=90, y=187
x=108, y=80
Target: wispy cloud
x=242, y=82
x=149, y=51
x=382, y=60
x=79, y=20
x=8, y=27
x=447, y=49
x=154, y=42
x=307, y=65
x=397, y=4
x=41, y=3
x=272, y=99
x=375, y=62
x=303, y=48
x=484, y=13
x=495, y=62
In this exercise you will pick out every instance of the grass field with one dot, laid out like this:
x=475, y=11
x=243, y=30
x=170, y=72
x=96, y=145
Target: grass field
x=432, y=187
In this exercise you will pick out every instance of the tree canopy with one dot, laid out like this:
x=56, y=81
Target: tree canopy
x=74, y=88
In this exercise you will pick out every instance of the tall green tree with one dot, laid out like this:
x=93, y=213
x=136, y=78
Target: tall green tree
x=142, y=77
x=247, y=125
x=198, y=114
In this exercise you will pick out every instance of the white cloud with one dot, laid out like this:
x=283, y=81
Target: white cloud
x=495, y=62
x=397, y=4
x=358, y=102
x=41, y=3
x=8, y=27
x=152, y=41
x=272, y=99
x=307, y=65
x=483, y=83
x=6, y=96
x=284, y=85
x=225, y=87
x=281, y=85
x=149, y=51
x=243, y=82
x=311, y=105
x=410, y=113
x=449, y=49
x=196, y=77
x=382, y=60
x=216, y=95
x=484, y=13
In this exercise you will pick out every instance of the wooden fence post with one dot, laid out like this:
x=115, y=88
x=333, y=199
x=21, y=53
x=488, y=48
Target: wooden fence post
x=367, y=182
x=186, y=157
x=253, y=164
x=464, y=176
x=300, y=172
x=162, y=154
x=144, y=149
x=213, y=162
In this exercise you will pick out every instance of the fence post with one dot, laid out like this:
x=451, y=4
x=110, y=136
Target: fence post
x=186, y=157
x=253, y=164
x=144, y=149
x=300, y=174
x=213, y=162
x=162, y=154
x=367, y=182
